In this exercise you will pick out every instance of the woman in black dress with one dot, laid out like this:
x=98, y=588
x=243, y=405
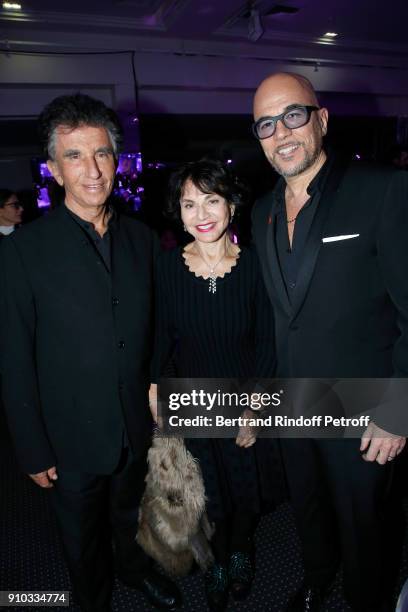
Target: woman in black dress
x=214, y=321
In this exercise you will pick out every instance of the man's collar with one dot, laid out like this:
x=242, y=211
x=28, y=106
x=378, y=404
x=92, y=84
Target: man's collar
x=6, y=230
x=315, y=185
x=86, y=224
x=317, y=181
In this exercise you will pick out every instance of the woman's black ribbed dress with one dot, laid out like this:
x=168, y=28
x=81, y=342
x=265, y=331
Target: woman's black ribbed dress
x=226, y=334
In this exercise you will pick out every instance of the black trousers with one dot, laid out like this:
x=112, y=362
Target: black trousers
x=345, y=512
x=92, y=510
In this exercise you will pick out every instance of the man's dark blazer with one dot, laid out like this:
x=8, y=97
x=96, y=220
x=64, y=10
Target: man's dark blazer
x=349, y=312
x=75, y=343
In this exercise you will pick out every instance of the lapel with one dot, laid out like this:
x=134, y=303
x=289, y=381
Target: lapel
x=330, y=187
x=272, y=257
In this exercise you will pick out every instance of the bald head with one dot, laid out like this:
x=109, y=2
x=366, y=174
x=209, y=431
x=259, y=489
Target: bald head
x=292, y=151
x=283, y=84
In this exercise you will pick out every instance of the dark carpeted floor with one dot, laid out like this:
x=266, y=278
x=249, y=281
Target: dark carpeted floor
x=31, y=559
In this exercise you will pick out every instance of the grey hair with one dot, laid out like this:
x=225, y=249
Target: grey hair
x=74, y=111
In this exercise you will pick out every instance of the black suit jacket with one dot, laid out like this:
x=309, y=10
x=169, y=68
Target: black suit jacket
x=76, y=342
x=349, y=312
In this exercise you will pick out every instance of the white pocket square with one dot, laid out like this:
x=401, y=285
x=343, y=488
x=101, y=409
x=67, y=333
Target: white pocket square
x=336, y=238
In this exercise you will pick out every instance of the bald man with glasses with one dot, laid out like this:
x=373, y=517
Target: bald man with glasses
x=331, y=239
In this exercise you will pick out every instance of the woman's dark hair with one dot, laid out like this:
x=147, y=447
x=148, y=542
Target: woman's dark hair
x=73, y=112
x=5, y=194
x=210, y=176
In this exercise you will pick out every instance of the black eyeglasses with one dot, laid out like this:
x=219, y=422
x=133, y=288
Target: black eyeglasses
x=15, y=205
x=293, y=118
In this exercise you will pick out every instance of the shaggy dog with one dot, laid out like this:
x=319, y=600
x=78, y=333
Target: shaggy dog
x=173, y=526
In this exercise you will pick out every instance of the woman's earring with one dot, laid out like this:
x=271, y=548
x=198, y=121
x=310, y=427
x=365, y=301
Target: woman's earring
x=184, y=227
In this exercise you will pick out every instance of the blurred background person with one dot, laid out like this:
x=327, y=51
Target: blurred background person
x=11, y=212
x=400, y=157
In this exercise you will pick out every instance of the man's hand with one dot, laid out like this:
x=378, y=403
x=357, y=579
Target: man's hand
x=382, y=446
x=44, y=479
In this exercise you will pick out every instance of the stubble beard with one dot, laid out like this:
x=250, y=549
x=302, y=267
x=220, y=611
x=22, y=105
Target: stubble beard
x=307, y=162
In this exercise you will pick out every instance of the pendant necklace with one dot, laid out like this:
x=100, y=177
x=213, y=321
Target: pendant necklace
x=212, y=279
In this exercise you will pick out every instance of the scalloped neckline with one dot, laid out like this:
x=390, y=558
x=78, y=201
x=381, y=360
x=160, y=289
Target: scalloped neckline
x=199, y=276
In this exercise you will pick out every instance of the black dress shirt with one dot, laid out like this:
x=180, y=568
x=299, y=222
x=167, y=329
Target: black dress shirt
x=103, y=244
x=290, y=258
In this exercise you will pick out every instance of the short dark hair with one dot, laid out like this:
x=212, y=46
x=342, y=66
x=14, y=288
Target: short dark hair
x=73, y=112
x=210, y=176
x=5, y=194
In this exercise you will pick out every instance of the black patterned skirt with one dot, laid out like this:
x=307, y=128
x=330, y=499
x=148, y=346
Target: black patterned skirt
x=249, y=479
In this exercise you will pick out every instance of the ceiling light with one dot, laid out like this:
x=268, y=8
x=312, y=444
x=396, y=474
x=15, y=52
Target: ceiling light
x=330, y=35
x=13, y=6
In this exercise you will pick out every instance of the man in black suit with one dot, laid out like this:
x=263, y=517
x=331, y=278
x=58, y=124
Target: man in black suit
x=332, y=241
x=76, y=306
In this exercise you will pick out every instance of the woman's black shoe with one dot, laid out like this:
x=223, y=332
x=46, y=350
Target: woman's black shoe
x=216, y=587
x=241, y=575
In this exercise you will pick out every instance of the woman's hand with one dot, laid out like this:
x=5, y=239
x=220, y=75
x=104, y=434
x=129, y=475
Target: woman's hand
x=153, y=401
x=246, y=435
